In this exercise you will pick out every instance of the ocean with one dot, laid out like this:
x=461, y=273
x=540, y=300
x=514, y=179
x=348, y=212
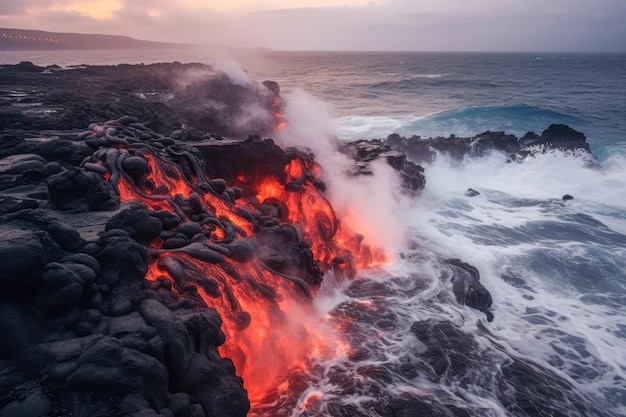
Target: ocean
x=556, y=269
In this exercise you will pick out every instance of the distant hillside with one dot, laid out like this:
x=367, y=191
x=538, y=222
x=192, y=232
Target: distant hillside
x=34, y=40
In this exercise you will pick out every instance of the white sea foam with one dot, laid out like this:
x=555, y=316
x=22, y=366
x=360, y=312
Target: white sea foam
x=552, y=267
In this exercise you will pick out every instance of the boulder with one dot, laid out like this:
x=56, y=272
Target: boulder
x=140, y=223
x=78, y=189
x=467, y=287
x=176, y=338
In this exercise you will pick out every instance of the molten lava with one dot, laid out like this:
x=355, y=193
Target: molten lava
x=271, y=330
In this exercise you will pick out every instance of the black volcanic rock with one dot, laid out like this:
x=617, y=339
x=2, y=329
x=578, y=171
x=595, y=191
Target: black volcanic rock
x=556, y=137
x=92, y=324
x=467, y=287
x=364, y=152
x=279, y=248
x=79, y=190
x=138, y=222
x=23, y=256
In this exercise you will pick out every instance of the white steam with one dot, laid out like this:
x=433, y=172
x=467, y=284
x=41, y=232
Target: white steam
x=236, y=74
x=368, y=202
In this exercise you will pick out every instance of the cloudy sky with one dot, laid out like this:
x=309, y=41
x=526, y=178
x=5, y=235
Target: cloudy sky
x=426, y=25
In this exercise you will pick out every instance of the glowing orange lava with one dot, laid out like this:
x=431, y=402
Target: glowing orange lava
x=271, y=328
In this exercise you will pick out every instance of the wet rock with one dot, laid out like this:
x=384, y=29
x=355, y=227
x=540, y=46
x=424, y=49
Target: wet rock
x=567, y=197
x=467, y=287
x=470, y=192
x=364, y=152
x=556, y=137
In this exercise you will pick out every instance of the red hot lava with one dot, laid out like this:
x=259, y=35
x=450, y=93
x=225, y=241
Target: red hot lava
x=270, y=330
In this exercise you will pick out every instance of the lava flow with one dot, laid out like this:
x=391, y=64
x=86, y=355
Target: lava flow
x=256, y=259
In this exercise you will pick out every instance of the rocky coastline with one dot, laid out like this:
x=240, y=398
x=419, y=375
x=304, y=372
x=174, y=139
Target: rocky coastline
x=86, y=333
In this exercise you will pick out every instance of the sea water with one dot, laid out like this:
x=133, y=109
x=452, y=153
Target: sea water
x=556, y=269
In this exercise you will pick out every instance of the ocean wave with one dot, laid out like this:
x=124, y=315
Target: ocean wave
x=516, y=119
x=468, y=121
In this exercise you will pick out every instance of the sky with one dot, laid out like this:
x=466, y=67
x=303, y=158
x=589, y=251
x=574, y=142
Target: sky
x=407, y=25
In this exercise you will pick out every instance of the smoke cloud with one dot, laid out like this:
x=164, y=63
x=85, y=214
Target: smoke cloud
x=368, y=203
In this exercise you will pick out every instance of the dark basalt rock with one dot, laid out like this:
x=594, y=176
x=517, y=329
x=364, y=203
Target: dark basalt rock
x=365, y=152
x=79, y=190
x=556, y=137
x=36, y=219
x=140, y=224
x=10, y=204
x=84, y=333
x=279, y=248
x=467, y=287
x=248, y=159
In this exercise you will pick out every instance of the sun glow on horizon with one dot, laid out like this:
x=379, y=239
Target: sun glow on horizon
x=256, y=5
x=99, y=10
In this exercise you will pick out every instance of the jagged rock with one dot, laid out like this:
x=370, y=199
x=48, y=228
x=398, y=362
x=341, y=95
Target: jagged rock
x=364, y=152
x=467, y=287
x=470, y=192
x=557, y=137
